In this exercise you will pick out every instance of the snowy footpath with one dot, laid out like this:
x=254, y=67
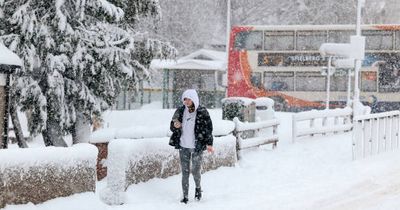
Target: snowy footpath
x=313, y=173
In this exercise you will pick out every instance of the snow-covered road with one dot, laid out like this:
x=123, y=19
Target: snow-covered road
x=381, y=193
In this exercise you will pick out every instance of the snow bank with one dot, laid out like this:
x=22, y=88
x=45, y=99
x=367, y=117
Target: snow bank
x=48, y=172
x=133, y=161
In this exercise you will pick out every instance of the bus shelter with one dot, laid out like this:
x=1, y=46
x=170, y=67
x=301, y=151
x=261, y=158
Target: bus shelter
x=203, y=70
x=9, y=62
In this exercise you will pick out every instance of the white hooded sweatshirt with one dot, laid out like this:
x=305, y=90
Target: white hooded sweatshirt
x=189, y=120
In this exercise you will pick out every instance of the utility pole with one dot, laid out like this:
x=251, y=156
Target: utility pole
x=360, y=4
x=228, y=25
x=357, y=106
x=355, y=50
x=228, y=32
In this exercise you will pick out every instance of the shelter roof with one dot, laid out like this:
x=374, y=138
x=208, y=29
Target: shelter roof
x=202, y=59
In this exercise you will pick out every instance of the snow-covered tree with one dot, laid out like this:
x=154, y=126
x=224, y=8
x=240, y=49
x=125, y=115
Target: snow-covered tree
x=77, y=54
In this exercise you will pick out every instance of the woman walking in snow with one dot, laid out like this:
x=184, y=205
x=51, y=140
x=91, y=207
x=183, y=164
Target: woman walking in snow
x=191, y=128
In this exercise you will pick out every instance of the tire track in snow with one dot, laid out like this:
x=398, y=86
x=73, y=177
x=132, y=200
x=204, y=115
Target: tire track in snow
x=365, y=195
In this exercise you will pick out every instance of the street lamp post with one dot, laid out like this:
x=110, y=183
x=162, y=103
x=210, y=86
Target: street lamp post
x=228, y=32
x=349, y=65
x=354, y=50
x=228, y=25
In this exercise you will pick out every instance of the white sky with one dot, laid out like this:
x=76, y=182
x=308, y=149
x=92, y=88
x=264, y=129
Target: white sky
x=313, y=173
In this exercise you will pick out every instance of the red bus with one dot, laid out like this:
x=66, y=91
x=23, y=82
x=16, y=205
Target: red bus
x=284, y=63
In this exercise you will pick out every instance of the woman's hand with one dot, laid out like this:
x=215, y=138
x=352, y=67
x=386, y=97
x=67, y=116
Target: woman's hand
x=210, y=149
x=177, y=124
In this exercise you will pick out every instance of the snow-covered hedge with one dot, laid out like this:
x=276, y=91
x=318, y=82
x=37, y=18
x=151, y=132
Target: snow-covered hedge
x=39, y=174
x=154, y=123
x=137, y=160
x=221, y=128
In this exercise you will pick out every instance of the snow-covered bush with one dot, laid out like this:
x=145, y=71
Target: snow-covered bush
x=131, y=161
x=40, y=174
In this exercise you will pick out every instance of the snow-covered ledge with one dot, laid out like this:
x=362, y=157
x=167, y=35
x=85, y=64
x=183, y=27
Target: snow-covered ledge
x=131, y=161
x=40, y=174
x=7, y=57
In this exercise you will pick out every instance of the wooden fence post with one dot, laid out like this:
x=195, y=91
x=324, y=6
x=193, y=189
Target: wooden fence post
x=236, y=133
x=274, y=132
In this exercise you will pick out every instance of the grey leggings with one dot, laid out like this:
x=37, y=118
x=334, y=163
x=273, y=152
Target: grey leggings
x=185, y=155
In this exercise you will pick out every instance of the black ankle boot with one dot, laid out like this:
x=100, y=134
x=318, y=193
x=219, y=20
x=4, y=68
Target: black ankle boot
x=184, y=200
x=197, y=194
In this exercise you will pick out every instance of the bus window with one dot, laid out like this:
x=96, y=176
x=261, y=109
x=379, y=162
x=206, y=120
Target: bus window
x=389, y=74
x=397, y=40
x=279, y=81
x=249, y=40
x=340, y=36
x=378, y=40
x=256, y=79
x=310, y=40
x=368, y=81
x=279, y=40
x=310, y=81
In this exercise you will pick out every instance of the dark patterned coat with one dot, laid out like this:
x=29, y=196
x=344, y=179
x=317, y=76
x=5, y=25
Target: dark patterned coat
x=202, y=129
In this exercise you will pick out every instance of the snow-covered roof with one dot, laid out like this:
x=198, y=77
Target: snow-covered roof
x=199, y=60
x=7, y=57
x=210, y=54
x=188, y=64
x=162, y=64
